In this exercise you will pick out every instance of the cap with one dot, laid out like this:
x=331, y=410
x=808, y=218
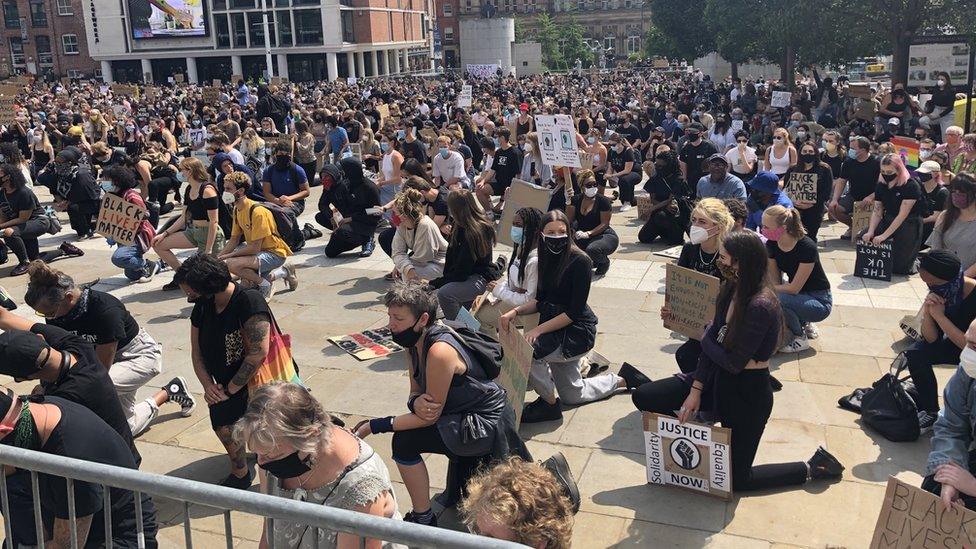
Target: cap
x=70, y=154
x=942, y=264
x=524, y=107
x=929, y=166
x=766, y=182
x=894, y=121
x=19, y=351
x=719, y=157
x=695, y=126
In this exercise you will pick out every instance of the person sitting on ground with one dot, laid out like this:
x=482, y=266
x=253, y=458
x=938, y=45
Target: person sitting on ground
x=719, y=183
x=805, y=297
x=764, y=192
x=955, y=228
x=935, y=195
x=447, y=385
x=448, y=166
x=121, y=181
x=740, y=212
x=856, y=183
x=313, y=460
x=223, y=166
x=357, y=203
x=665, y=187
x=74, y=189
x=261, y=260
x=284, y=182
x=590, y=213
x=623, y=170
x=812, y=211
x=521, y=284
x=418, y=248
x=897, y=214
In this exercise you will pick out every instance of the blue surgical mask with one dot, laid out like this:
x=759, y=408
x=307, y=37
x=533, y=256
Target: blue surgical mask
x=823, y=144
x=497, y=144
x=385, y=147
x=445, y=152
x=591, y=140
x=517, y=235
x=851, y=153
x=107, y=186
x=180, y=177
x=401, y=134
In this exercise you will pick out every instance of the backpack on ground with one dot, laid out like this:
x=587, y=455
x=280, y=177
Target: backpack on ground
x=286, y=224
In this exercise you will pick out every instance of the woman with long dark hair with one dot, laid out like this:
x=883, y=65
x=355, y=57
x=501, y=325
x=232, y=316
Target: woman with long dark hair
x=940, y=110
x=733, y=371
x=523, y=271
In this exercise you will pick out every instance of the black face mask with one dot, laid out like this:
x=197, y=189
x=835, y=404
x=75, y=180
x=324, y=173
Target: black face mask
x=290, y=466
x=924, y=177
x=556, y=244
x=889, y=177
x=808, y=158
x=407, y=338
x=281, y=162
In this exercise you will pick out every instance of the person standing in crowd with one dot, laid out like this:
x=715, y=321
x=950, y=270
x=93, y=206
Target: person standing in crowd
x=447, y=383
x=130, y=355
x=623, y=170
x=764, y=192
x=521, y=284
x=121, y=181
x=741, y=157
x=694, y=153
x=567, y=327
x=805, y=296
x=590, y=214
x=357, y=203
x=858, y=179
x=418, y=249
x=313, y=460
x=261, y=260
x=812, y=211
x=733, y=371
x=719, y=183
x=935, y=195
x=897, y=214
x=229, y=337
x=285, y=182
x=666, y=188
x=337, y=137
x=940, y=114
x=468, y=266
x=955, y=228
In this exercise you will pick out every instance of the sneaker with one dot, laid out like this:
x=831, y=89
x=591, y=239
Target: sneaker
x=846, y=235
x=625, y=208
x=291, y=279
x=241, y=483
x=368, y=248
x=6, y=301
x=559, y=467
x=824, y=465
x=797, y=345
x=71, y=250
x=632, y=376
x=170, y=286
x=166, y=208
x=20, y=269
x=427, y=519
x=540, y=410
x=389, y=277
x=178, y=393
x=811, y=331
x=775, y=384
x=149, y=271
x=267, y=291
x=926, y=420
x=311, y=232
x=602, y=269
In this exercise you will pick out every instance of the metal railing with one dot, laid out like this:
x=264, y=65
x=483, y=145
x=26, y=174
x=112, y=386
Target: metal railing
x=227, y=499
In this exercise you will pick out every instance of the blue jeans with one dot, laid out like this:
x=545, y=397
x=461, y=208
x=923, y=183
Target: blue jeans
x=388, y=193
x=803, y=307
x=130, y=261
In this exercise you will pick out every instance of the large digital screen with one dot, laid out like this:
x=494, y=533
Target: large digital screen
x=167, y=18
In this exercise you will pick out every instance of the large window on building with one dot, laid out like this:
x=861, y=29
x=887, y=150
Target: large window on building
x=609, y=42
x=241, y=4
x=284, y=28
x=255, y=28
x=45, y=58
x=239, y=30
x=11, y=16
x=448, y=35
x=64, y=7
x=633, y=44
x=448, y=9
x=17, y=51
x=69, y=44
x=223, y=30
x=308, y=27
x=348, y=27
x=38, y=14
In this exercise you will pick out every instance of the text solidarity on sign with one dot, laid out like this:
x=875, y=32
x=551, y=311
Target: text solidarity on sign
x=688, y=455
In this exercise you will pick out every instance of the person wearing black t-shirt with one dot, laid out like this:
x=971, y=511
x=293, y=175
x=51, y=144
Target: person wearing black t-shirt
x=129, y=354
x=812, y=211
x=506, y=164
x=22, y=219
x=665, y=188
x=623, y=170
x=859, y=174
x=805, y=296
x=59, y=427
x=629, y=130
x=935, y=195
x=71, y=182
x=897, y=214
x=694, y=152
x=410, y=146
x=229, y=337
x=590, y=213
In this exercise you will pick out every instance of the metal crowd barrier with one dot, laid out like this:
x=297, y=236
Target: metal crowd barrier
x=227, y=499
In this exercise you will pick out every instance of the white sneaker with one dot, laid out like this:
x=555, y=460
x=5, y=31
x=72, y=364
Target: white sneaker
x=797, y=345
x=267, y=291
x=625, y=208
x=810, y=331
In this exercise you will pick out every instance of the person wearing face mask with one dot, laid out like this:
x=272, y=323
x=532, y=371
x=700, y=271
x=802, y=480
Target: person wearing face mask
x=694, y=153
x=935, y=195
x=417, y=247
x=357, y=207
x=74, y=189
x=805, y=295
x=229, y=339
x=121, y=182
x=948, y=309
x=314, y=460
x=812, y=211
x=731, y=382
x=533, y=169
x=965, y=161
x=897, y=214
x=623, y=171
x=447, y=384
x=41, y=152
x=764, y=192
x=285, y=182
x=940, y=112
x=858, y=178
x=782, y=155
x=448, y=166
x=22, y=220
x=741, y=157
x=599, y=151
x=590, y=213
x=566, y=330
x=955, y=228
x=833, y=153
x=665, y=188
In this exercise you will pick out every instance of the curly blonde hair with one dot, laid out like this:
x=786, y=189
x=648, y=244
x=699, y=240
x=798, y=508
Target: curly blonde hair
x=524, y=497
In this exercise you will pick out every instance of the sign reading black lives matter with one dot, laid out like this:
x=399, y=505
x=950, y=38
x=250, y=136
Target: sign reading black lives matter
x=873, y=261
x=801, y=187
x=689, y=455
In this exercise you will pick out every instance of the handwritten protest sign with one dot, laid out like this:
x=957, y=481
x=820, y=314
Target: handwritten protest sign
x=211, y=95
x=781, y=99
x=125, y=89
x=368, y=344
x=464, y=100
x=557, y=140
x=861, y=91
x=801, y=187
x=8, y=110
x=689, y=455
x=514, y=375
x=860, y=219
x=384, y=111
x=521, y=195
x=179, y=78
x=691, y=297
x=873, y=261
x=912, y=518
x=118, y=219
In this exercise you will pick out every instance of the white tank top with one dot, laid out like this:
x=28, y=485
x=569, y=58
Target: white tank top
x=387, y=167
x=779, y=165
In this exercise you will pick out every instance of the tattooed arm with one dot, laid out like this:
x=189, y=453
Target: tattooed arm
x=256, y=333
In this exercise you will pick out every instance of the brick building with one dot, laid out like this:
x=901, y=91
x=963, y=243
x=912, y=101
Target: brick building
x=45, y=37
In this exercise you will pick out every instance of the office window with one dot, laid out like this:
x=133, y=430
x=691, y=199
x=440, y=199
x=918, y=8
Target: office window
x=11, y=16
x=281, y=3
x=255, y=29
x=306, y=2
x=223, y=30
x=38, y=15
x=17, y=51
x=609, y=42
x=45, y=57
x=308, y=27
x=69, y=44
x=76, y=74
x=64, y=7
x=284, y=28
x=241, y=4
x=348, y=28
x=449, y=35
x=219, y=4
x=240, y=30
x=448, y=10
x=633, y=44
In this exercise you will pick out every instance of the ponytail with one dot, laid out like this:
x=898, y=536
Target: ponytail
x=789, y=218
x=46, y=284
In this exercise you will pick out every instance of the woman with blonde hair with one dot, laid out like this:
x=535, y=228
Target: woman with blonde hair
x=252, y=148
x=782, y=155
x=311, y=459
x=96, y=128
x=418, y=249
x=199, y=225
x=533, y=169
x=897, y=214
x=370, y=150
x=805, y=296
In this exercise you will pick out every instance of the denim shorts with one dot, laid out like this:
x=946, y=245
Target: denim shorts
x=268, y=262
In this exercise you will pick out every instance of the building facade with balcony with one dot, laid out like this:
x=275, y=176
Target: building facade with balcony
x=45, y=38
x=144, y=40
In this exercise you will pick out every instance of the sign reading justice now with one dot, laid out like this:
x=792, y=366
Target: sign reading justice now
x=688, y=455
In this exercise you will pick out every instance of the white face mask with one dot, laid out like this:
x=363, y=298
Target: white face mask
x=228, y=198
x=967, y=360
x=697, y=235
x=528, y=147
x=590, y=192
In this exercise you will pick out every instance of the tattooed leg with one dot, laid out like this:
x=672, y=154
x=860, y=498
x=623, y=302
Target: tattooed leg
x=235, y=451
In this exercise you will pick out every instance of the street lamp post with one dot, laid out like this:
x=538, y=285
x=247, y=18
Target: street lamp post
x=267, y=39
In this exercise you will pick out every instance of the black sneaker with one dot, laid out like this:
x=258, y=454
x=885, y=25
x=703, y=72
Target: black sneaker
x=926, y=420
x=6, y=301
x=178, y=393
x=775, y=384
x=149, y=271
x=20, y=269
x=632, y=376
x=166, y=208
x=170, y=286
x=311, y=232
x=540, y=410
x=240, y=483
x=70, y=249
x=427, y=519
x=602, y=269
x=559, y=467
x=368, y=248
x=824, y=465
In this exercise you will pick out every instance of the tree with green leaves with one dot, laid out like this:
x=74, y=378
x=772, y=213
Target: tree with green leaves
x=682, y=25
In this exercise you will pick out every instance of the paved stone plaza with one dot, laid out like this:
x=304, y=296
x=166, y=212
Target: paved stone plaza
x=602, y=441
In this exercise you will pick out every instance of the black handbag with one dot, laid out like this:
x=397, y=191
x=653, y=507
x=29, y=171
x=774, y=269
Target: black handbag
x=888, y=407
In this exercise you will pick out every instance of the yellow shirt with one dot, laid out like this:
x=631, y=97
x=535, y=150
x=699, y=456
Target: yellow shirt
x=257, y=225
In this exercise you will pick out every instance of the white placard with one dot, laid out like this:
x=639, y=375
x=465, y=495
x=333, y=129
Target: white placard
x=736, y=125
x=925, y=61
x=781, y=99
x=351, y=80
x=557, y=140
x=482, y=71
x=464, y=100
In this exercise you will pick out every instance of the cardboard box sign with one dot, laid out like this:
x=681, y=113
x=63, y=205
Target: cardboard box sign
x=801, y=187
x=119, y=220
x=211, y=95
x=873, y=261
x=691, y=296
x=514, y=375
x=691, y=456
x=860, y=219
x=912, y=518
x=781, y=99
x=862, y=91
x=522, y=195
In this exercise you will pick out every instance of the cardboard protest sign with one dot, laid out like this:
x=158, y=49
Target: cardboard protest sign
x=873, y=261
x=689, y=455
x=557, y=140
x=8, y=110
x=860, y=219
x=586, y=160
x=861, y=91
x=514, y=375
x=384, y=111
x=673, y=252
x=125, y=89
x=368, y=344
x=781, y=99
x=521, y=195
x=644, y=207
x=735, y=125
x=351, y=80
x=235, y=78
x=151, y=92
x=801, y=187
x=178, y=77
x=691, y=297
x=912, y=518
x=464, y=100
x=357, y=151
x=908, y=149
x=211, y=95
x=118, y=219
x=216, y=83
